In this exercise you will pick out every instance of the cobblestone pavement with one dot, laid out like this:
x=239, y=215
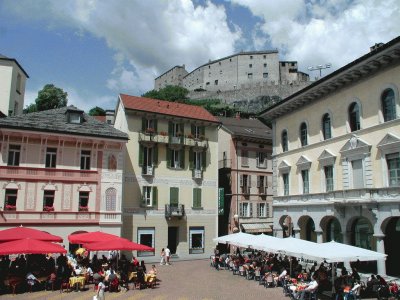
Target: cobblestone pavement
x=184, y=280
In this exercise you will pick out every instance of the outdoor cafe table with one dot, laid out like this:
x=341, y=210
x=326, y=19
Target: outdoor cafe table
x=133, y=276
x=79, y=280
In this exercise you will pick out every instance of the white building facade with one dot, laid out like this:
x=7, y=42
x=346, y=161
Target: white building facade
x=337, y=157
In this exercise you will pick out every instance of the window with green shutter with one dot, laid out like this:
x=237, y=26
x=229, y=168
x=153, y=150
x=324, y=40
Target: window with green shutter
x=155, y=197
x=196, y=198
x=191, y=159
x=174, y=196
x=141, y=155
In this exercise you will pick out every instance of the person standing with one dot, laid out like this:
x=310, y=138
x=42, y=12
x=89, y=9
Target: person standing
x=167, y=255
x=162, y=262
x=100, y=290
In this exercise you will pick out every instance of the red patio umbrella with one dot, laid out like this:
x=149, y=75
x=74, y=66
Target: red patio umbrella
x=30, y=246
x=19, y=233
x=91, y=237
x=117, y=244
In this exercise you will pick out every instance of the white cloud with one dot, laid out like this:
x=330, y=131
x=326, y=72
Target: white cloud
x=152, y=36
x=329, y=31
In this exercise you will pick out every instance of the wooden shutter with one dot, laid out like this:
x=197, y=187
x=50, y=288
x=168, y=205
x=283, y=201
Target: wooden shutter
x=173, y=196
x=155, y=155
x=191, y=159
x=168, y=157
x=258, y=209
x=251, y=209
x=241, y=180
x=258, y=181
x=144, y=124
x=204, y=160
x=155, y=196
x=182, y=129
x=192, y=129
x=182, y=158
x=196, y=197
x=202, y=130
x=141, y=155
x=170, y=129
x=155, y=125
x=249, y=181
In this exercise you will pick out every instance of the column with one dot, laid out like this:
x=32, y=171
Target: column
x=380, y=247
x=347, y=241
x=296, y=232
x=319, y=236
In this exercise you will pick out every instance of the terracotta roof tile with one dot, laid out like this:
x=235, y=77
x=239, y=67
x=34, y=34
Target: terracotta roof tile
x=167, y=108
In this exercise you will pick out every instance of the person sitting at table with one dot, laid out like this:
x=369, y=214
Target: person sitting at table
x=309, y=288
x=143, y=266
x=31, y=280
x=140, y=279
x=77, y=271
x=51, y=280
x=153, y=270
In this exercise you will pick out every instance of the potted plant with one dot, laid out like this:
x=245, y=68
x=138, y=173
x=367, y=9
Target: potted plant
x=83, y=208
x=163, y=133
x=48, y=208
x=190, y=136
x=150, y=130
x=11, y=207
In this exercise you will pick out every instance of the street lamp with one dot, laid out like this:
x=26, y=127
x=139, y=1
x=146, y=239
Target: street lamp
x=319, y=67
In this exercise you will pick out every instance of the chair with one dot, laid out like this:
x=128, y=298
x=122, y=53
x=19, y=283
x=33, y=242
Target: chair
x=114, y=285
x=257, y=274
x=242, y=272
x=152, y=281
x=269, y=280
x=64, y=285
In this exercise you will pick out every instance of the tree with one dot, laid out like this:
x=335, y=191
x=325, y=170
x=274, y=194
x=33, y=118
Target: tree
x=170, y=93
x=97, y=111
x=49, y=97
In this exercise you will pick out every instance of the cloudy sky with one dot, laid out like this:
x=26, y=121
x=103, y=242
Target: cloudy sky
x=96, y=49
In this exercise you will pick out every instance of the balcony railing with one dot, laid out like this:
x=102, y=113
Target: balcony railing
x=196, y=142
x=155, y=137
x=225, y=164
x=174, y=210
x=177, y=140
x=43, y=174
x=246, y=190
x=163, y=137
x=197, y=174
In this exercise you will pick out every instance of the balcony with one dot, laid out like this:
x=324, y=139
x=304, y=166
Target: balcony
x=151, y=138
x=176, y=140
x=246, y=190
x=37, y=174
x=148, y=170
x=197, y=174
x=225, y=164
x=174, y=210
x=199, y=143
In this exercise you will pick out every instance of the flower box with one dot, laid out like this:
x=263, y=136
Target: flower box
x=48, y=208
x=11, y=207
x=83, y=208
x=190, y=136
x=150, y=130
x=163, y=133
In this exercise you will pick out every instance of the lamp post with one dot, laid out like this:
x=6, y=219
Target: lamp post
x=319, y=67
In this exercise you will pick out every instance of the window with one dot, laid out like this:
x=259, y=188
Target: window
x=285, y=178
x=48, y=201
x=14, y=152
x=358, y=174
x=250, y=75
x=261, y=184
x=265, y=65
x=245, y=158
x=146, y=236
x=51, y=157
x=250, y=65
x=197, y=198
x=245, y=209
x=19, y=83
x=196, y=240
x=174, y=196
x=326, y=126
x=303, y=134
x=264, y=56
x=305, y=180
x=245, y=183
x=85, y=160
x=111, y=199
x=198, y=160
x=393, y=166
x=262, y=210
x=388, y=105
x=251, y=56
x=74, y=118
x=261, y=160
x=175, y=161
x=354, y=117
x=83, y=201
x=147, y=196
x=265, y=75
x=216, y=82
x=284, y=141
x=328, y=171
x=10, y=201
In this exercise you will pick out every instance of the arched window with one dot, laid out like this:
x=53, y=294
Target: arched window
x=354, y=117
x=303, y=134
x=284, y=141
x=326, y=126
x=111, y=199
x=388, y=105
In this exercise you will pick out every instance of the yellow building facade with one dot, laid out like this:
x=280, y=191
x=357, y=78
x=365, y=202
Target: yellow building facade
x=337, y=156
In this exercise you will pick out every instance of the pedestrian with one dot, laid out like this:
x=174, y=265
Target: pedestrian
x=167, y=255
x=100, y=290
x=162, y=262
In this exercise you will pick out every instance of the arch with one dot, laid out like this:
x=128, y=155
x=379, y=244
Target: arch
x=362, y=233
x=286, y=223
x=391, y=230
x=326, y=126
x=396, y=101
x=307, y=228
x=111, y=199
x=332, y=229
x=388, y=105
x=303, y=134
x=284, y=141
x=354, y=116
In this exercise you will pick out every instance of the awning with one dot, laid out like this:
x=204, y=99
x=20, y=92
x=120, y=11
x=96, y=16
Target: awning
x=256, y=227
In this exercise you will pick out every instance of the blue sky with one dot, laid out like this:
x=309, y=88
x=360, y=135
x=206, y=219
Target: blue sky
x=96, y=49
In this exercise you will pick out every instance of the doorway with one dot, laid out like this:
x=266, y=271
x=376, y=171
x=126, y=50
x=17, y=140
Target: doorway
x=172, y=239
